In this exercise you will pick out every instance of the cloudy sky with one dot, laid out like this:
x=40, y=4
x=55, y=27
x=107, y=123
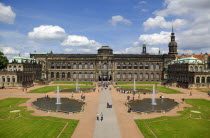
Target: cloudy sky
x=82, y=26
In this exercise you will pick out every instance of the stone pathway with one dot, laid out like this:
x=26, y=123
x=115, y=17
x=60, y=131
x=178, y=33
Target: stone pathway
x=108, y=128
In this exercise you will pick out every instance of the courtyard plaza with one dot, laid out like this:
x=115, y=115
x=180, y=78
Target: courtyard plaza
x=123, y=121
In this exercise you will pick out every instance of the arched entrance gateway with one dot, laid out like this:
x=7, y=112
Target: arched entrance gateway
x=104, y=77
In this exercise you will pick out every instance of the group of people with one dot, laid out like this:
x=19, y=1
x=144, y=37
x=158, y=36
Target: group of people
x=100, y=117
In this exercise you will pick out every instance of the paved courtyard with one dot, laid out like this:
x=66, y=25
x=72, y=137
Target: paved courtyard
x=117, y=121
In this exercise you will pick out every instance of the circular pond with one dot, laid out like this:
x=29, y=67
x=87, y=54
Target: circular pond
x=163, y=105
x=67, y=105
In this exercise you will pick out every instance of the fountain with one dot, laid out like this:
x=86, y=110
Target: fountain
x=134, y=85
x=77, y=88
x=58, y=101
x=153, y=96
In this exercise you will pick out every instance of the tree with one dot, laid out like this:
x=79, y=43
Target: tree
x=3, y=60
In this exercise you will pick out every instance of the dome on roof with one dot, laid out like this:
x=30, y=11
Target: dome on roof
x=105, y=50
x=186, y=60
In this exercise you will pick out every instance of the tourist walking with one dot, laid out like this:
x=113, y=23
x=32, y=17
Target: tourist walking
x=97, y=116
x=190, y=93
x=102, y=117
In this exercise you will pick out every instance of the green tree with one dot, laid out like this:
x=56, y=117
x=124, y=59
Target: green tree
x=3, y=60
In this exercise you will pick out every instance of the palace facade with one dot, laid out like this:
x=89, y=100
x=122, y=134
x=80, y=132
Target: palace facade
x=106, y=66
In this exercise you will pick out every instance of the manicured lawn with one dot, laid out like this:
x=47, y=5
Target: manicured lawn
x=189, y=124
x=206, y=91
x=121, y=82
x=159, y=88
x=54, y=88
x=22, y=124
x=72, y=82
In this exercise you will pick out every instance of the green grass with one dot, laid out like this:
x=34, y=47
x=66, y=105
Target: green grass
x=206, y=91
x=159, y=88
x=22, y=124
x=121, y=82
x=54, y=88
x=187, y=125
x=72, y=82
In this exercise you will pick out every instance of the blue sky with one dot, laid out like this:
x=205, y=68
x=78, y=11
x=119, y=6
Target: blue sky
x=82, y=26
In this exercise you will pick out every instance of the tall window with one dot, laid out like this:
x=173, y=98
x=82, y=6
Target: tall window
x=86, y=75
x=52, y=74
x=135, y=66
x=118, y=75
x=146, y=66
x=14, y=68
x=141, y=66
x=152, y=66
x=157, y=66
x=203, y=79
x=74, y=66
x=74, y=75
x=91, y=65
x=152, y=76
x=147, y=76
x=86, y=66
x=196, y=68
x=197, y=79
x=118, y=66
x=8, y=79
x=3, y=78
x=124, y=75
x=80, y=75
x=63, y=66
x=80, y=65
x=141, y=76
x=208, y=79
x=63, y=75
x=105, y=66
x=69, y=66
x=91, y=75
x=129, y=66
x=19, y=68
x=124, y=66
x=13, y=78
x=191, y=68
x=57, y=75
x=200, y=68
x=157, y=76
x=68, y=75
x=58, y=65
x=135, y=75
x=129, y=75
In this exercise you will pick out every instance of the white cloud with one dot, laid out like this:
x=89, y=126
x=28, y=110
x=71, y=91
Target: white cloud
x=80, y=41
x=144, y=10
x=68, y=49
x=47, y=32
x=6, y=14
x=8, y=50
x=162, y=38
x=119, y=19
x=160, y=22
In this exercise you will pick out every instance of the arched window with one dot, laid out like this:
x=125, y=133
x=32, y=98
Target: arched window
x=203, y=79
x=118, y=75
x=10, y=68
x=146, y=76
x=80, y=65
x=135, y=75
x=69, y=66
x=91, y=65
x=135, y=66
x=208, y=79
x=86, y=66
x=129, y=75
x=151, y=66
x=118, y=66
x=86, y=75
x=105, y=66
x=197, y=79
x=200, y=68
x=124, y=75
x=191, y=68
x=58, y=65
x=157, y=66
x=152, y=76
x=57, y=75
x=141, y=66
x=124, y=66
x=63, y=66
x=13, y=78
x=52, y=74
x=129, y=66
x=157, y=76
x=63, y=75
x=146, y=66
x=68, y=75
x=14, y=68
x=91, y=75
x=74, y=66
x=80, y=75
x=141, y=76
x=3, y=78
x=19, y=68
x=196, y=68
x=74, y=75
x=8, y=78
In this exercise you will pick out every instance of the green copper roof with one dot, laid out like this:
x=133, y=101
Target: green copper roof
x=189, y=60
x=23, y=60
x=39, y=53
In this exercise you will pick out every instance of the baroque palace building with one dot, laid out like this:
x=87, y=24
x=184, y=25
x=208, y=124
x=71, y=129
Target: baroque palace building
x=106, y=66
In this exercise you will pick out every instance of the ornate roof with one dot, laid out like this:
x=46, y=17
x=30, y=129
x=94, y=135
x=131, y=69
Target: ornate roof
x=23, y=60
x=189, y=60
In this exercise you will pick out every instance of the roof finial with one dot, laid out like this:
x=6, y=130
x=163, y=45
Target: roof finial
x=172, y=28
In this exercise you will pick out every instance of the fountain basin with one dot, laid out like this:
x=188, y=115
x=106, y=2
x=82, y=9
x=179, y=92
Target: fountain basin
x=67, y=105
x=145, y=105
